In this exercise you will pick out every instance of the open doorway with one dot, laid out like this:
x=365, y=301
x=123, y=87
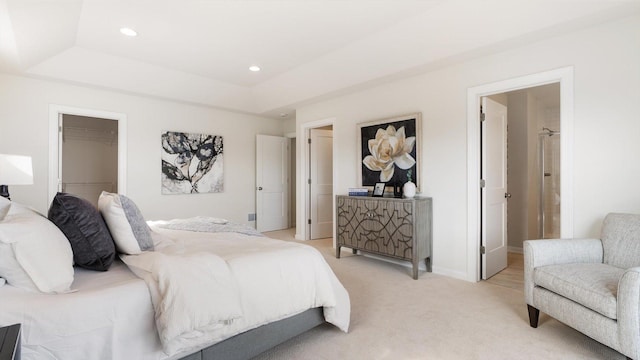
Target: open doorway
x=303, y=229
x=532, y=172
x=89, y=156
x=107, y=131
x=533, y=163
x=562, y=76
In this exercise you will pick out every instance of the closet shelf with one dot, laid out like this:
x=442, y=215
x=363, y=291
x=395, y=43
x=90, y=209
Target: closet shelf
x=108, y=137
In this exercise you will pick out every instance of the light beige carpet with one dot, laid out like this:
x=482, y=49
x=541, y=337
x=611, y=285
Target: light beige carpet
x=434, y=317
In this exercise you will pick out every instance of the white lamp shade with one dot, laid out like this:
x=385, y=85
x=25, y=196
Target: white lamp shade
x=15, y=170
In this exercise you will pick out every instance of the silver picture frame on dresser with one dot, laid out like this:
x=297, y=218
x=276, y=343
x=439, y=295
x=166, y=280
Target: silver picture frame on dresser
x=378, y=189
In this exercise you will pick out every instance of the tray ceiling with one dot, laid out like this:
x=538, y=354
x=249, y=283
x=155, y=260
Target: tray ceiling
x=199, y=51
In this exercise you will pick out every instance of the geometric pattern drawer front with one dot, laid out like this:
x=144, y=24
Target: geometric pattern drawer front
x=384, y=227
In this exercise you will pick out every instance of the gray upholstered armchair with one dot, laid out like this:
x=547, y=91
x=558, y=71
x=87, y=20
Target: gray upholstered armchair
x=592, y=285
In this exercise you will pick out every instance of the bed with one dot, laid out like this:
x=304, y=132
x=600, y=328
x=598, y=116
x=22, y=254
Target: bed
x=151, y=305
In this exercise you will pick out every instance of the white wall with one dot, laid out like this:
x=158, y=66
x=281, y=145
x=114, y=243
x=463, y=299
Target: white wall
x=607, y=90
x=289, y=126
x=24, y=114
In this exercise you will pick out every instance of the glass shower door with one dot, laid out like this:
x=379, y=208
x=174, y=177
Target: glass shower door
x=549, y=185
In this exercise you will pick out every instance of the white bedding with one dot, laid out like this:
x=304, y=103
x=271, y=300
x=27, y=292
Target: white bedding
x=110, y=315
x=248, y=290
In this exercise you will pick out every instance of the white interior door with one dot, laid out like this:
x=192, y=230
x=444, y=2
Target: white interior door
x=272, y=174
x=494, y=191
x=321, y=176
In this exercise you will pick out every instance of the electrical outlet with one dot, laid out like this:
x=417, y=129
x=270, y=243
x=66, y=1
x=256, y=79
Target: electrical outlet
x=252, y=217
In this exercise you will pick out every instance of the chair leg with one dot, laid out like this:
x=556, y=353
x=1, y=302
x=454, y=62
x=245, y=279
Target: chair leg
x=534, y=314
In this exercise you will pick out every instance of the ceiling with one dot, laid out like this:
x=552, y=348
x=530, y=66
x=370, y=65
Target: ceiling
x=199, y=51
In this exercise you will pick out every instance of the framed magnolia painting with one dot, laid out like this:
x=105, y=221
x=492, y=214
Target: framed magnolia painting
x=389, y=150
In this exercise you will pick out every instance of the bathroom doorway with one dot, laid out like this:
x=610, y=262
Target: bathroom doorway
x=532, y=198
x=533, y=165
x=563, y=77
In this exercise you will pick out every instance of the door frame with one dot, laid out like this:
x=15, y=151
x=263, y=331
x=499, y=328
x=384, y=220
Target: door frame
x=293, y=177
x=302, y=202
x=55, y=111
x=564, y=76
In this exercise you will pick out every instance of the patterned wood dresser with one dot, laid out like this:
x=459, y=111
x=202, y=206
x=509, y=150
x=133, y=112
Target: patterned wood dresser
x=395, y=228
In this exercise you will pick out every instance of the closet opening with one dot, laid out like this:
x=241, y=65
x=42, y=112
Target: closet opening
x=88, y=156
x=87, y=152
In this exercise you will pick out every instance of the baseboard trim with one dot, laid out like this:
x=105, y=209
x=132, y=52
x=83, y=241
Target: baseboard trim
x=514, y=249
x=422, y=266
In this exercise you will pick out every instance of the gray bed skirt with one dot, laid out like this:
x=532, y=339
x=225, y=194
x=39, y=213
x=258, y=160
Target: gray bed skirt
x=256, y=341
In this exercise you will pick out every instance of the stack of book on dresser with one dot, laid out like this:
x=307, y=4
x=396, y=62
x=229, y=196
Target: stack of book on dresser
x=358, y=192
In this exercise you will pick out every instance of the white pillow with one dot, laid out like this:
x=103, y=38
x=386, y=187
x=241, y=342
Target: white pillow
x=34, y=253
x=126, y=223
x=5, y=204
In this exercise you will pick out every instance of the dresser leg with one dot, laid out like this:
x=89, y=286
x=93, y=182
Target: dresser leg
x=415, y=271
x=338, y=251
x=427, y=262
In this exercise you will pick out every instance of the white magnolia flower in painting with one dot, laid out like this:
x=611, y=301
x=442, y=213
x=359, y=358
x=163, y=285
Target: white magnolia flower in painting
x=388, y=148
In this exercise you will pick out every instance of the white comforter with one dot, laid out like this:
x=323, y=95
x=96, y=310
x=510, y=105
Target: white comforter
x=206, y=287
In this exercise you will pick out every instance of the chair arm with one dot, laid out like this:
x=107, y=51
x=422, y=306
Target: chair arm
x=628, y=312
x=554, y=252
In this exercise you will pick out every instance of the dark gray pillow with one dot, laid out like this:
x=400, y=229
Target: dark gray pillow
x=82, y=224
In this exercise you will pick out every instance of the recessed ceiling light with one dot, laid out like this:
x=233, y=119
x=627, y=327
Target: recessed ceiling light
x=128, y=31
x=254, y=68
x=283, y=115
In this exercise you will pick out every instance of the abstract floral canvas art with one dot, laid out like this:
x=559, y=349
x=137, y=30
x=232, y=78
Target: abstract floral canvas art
x=192, y=163
x=389, y=150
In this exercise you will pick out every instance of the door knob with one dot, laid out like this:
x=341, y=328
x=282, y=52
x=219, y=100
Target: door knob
x=507, y=195
x=259, y=187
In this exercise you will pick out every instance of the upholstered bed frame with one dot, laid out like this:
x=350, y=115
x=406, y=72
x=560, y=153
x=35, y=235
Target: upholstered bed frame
x=256, y=341
x=242, y=346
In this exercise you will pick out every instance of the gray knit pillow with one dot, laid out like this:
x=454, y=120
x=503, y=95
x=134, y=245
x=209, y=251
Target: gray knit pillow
x=126, y=223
